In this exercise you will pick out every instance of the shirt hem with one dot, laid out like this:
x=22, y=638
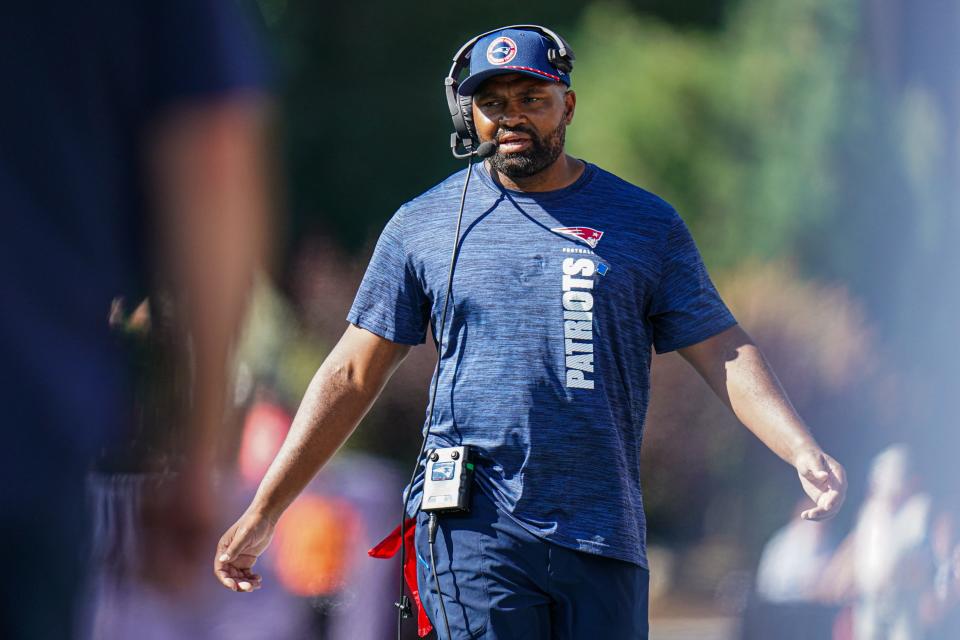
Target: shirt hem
x=711, y=330
x=568, y=543
x=382, y=330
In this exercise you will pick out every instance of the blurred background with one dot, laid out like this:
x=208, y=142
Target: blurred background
x=813, y=148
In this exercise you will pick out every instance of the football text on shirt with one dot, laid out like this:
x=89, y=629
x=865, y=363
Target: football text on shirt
x=578, y=321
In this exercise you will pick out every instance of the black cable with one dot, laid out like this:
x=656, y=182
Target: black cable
x=431, y=537
x=404, y=604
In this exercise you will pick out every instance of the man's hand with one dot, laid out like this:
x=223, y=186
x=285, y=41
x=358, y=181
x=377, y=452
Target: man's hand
x=824, y=480
x=238, y=551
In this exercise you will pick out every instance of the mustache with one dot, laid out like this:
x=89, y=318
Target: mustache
x=502, y=131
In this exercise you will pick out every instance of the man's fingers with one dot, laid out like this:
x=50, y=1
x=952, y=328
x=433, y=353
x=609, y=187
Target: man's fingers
x=840, y=478
x=227, y=581
x=250, y=584
x=827, y=506
x=237, y=552
x=237, y=544
x=811, y=514
x=824, y=480
x=816, y=513
x=222, y=544
x=833, y=500
x=237, y=579
x=837, y=469
x=818, y=478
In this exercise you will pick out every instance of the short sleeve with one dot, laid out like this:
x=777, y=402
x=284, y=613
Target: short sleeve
x=391, y=301
x=686, y=308
x=202, y=50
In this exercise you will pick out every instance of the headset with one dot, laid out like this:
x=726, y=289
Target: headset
x=464, y=140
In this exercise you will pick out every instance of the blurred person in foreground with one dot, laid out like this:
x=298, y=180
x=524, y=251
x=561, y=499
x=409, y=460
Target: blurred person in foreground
x=940, y=608
x=789, y=601
x=884, y=572
x=890, y=550
x=565, y=278
x=131, y=156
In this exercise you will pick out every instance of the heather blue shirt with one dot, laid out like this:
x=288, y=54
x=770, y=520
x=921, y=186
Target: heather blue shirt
x=557, y=299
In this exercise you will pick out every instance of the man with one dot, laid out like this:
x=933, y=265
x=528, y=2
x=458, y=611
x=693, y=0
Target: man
x=133, y=138
x=565, y=277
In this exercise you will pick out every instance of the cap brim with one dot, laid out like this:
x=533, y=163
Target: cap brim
x=472, y=83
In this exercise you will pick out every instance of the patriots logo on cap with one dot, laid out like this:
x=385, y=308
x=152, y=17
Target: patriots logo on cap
x=586, y=234
x=501, y=51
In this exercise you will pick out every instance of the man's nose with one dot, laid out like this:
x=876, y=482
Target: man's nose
x=512, y=114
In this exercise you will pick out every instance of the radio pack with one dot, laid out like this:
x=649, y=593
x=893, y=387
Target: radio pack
x=447, y=480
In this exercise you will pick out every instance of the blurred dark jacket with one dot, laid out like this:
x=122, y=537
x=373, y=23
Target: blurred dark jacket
x=83, y=84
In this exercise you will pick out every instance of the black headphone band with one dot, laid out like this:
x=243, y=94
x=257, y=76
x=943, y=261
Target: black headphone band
x=561, y=57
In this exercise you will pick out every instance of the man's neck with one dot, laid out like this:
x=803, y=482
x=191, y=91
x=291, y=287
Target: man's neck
x=562, y=173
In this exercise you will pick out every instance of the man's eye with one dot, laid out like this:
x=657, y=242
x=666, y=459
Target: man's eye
x=533, y=99
x=490, y=103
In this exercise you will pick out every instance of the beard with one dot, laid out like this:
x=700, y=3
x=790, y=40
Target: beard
x=542, y=153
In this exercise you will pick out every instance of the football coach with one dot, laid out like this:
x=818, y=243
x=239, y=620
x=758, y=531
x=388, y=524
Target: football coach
x=565, y=278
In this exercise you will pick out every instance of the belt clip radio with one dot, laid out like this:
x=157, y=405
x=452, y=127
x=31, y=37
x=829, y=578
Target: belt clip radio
x=447, y=481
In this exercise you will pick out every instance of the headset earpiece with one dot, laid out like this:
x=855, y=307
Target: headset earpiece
x=466, y=110
x=461, y=113
x=563, y=63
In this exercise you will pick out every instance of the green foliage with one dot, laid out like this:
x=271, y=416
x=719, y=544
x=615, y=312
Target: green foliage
x=735, y=128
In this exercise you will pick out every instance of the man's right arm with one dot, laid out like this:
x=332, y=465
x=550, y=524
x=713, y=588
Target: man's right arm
x=340, y=394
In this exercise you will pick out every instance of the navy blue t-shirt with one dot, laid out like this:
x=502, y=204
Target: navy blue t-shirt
x=83, y=86
x=557, y=299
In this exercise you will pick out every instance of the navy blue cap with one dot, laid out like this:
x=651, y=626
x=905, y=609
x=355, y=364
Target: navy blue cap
x=511, y=51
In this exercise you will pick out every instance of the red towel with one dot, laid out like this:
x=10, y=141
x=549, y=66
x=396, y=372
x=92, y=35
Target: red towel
x=387, y=548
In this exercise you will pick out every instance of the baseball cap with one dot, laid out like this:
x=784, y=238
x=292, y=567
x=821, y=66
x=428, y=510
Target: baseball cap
x=511, y=51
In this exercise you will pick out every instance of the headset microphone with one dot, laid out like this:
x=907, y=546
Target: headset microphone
x=486, y=149
x=483, y=151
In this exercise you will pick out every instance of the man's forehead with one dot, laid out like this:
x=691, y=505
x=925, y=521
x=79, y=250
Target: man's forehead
x=513, y=82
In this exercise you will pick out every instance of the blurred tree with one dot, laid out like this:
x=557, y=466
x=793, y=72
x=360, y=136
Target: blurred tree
x=735, y=128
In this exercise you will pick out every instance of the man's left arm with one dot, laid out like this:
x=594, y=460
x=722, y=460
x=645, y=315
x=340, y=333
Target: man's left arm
x=739, y=374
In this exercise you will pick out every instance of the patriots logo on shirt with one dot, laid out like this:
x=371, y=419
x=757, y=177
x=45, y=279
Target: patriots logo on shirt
x=586, y=234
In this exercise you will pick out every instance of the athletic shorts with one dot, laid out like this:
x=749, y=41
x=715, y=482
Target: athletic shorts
x=500, y=582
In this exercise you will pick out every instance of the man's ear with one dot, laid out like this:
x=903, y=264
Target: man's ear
x=570, y=105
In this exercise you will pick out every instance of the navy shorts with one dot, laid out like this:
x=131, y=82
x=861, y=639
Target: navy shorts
x=500, y=582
